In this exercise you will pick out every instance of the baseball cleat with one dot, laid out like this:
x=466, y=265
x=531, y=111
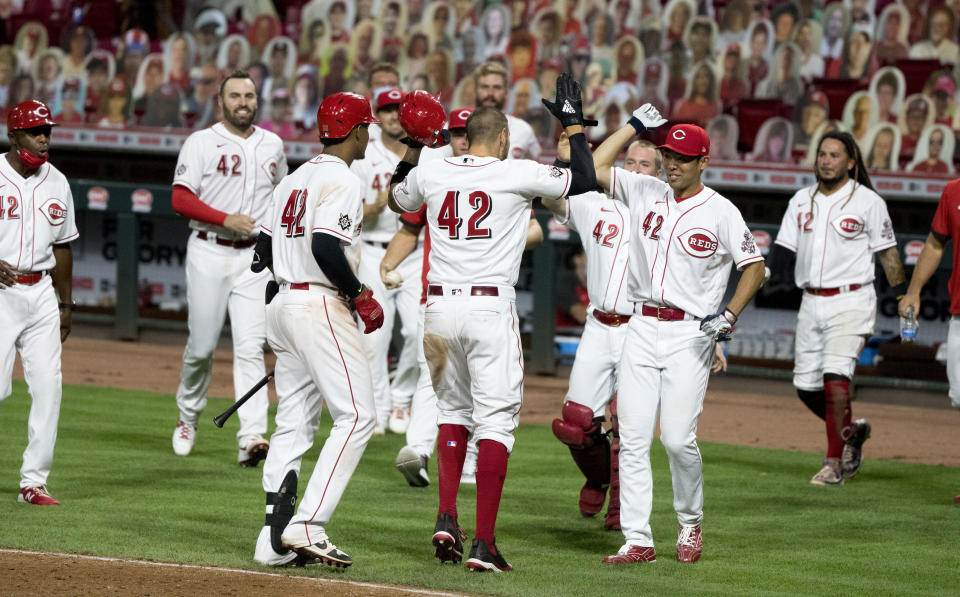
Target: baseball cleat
x=379, y=428
x=448, y=538
x=689, y=543
x=830, y=473
x=36, y=495
x=253, y=449
x=486, y=558
x=413, y=467
x=853, y=448
x=313, y=546
x=591, y=501
x=632, y=554
x=184, y=437
x=399, y=419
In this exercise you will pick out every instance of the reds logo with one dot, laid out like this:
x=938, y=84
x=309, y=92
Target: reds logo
x=679, y=134
x=464, y=114
x=699, y=243
x=55, y=211
x=848, y=226
x=763, y=240
x=141, y=200
x=911, y=252
x=394, y=94
x=42, y=111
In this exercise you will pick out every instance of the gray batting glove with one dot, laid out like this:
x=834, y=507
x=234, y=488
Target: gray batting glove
x=719, y=326
x=648, y=116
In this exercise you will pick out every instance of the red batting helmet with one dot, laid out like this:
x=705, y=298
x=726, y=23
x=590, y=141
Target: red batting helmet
x=340, y=112
x=29, y=114
x=422, y=116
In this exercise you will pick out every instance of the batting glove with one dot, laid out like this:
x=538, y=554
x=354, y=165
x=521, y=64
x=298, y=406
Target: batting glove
x=443, y=138
x=369, y=310
x=646, y=117
x=719, y=326
x=567, y=106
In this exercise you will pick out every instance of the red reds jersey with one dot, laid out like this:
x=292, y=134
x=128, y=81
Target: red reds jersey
x=35, y=214
x=946, y=222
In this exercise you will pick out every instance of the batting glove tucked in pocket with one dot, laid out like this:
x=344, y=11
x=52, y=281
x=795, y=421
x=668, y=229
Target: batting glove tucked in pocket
x=719, y=326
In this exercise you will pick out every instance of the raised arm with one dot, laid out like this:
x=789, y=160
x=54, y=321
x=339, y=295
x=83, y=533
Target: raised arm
x=408, y=163
x=643, y=118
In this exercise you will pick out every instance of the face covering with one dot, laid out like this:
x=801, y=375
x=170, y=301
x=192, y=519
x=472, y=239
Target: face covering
x=31, y=160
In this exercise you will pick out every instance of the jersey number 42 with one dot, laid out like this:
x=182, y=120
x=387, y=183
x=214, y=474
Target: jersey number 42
x=290, y=219
x=449, y=217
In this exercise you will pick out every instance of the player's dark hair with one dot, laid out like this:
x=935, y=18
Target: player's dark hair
x=859, y=171
x=382, y=67
x=484, y=125
x=237, y=74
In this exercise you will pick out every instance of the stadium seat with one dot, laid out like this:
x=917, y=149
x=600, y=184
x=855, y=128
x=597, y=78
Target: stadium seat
x=837, y=92
x=917, y=71
x=752, y=113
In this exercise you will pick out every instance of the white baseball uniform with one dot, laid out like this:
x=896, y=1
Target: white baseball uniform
x=604, y=228
x=835, y=237
x=231, y=174
x=478, y=211
x=680, y=257
x=35, y=214
x=376, y=170
x=310, y=327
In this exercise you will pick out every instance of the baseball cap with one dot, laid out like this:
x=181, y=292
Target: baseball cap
x=687, y=139
x=818, y=97
x=458, y=118
x=945, y=84
x=389, y=97
x=918, y=104
x=280, y=93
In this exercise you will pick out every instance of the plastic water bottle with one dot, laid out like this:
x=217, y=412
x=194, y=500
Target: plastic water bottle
x=908, y=327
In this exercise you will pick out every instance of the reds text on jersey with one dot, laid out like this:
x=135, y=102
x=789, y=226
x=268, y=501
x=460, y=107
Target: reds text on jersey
x=681, y=251
x=322, y=195
x=835, y=236
x=231, y=174
x=377, y=167
x=604, y=228
x=35, y=213
x=475, y=202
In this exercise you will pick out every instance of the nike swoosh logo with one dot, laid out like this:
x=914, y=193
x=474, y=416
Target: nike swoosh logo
x=605, y=210
x=431, y=304
x=219, y=145
x=374, y=164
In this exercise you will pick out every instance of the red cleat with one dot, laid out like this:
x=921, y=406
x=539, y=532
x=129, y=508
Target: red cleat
x=632, y=554
x=36, y=495
x=689, y=544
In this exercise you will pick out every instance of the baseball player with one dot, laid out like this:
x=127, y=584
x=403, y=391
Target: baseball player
x=835, y=227
x=311, y=241
x=379, y=226
x=684, y=238
x=36, y=281
x=412, y=459
x=223, y=182
x=477, y=214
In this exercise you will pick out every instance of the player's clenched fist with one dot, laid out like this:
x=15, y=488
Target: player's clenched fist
x=369, y=310
x=719, y=326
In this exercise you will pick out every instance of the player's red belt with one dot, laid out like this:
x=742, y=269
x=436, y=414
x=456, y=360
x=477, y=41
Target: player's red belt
x=833, y=291
x=236, y=244
x=663, y=313
x=377, y=243
x=611, y=319
x=29, y=278
x=474, y=290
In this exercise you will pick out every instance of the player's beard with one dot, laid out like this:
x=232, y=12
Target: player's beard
x=829, y=182
x=240, y=122
x=491, y=102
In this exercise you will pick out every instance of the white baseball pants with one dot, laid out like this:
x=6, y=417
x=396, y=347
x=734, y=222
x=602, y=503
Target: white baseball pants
x=319, y=359
x=831, y=332
x=472, y=346
x=423, y=429
x=663, y=372
x=219, y=281
x=953, y=360
x=405, y=302
x=30, y=325
x=593, y=377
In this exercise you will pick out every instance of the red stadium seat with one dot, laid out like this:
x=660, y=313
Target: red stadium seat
x=752, y=113
x=837, y=92
x=917, y=71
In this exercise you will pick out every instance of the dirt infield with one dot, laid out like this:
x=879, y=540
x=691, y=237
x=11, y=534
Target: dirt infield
x=907, y=426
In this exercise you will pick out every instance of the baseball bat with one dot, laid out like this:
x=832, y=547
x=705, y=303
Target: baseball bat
x=220, y=419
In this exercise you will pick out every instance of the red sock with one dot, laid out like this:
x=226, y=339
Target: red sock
x=451, y=452
x=491, y=471
x=838, y=415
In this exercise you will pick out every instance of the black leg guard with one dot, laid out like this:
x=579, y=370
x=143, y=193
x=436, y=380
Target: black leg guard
x=283, y=502
x=816, y=401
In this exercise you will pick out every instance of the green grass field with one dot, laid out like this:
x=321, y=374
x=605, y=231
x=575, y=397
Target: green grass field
x=893, y=530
